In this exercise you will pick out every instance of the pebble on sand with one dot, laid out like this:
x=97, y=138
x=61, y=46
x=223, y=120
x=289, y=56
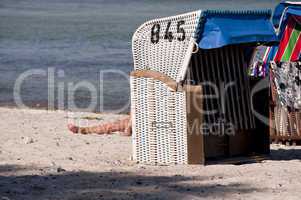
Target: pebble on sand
x=28, y=140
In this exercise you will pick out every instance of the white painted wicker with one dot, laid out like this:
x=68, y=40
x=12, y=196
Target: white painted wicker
x=158, y=113
x=159, y=123
x=167, y=57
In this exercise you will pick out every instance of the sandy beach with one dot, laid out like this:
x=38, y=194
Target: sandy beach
x=40, y=159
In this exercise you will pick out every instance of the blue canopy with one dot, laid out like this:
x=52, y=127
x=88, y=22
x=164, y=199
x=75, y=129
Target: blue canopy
x=289, y=12
x=220, y=28
x=291, y=7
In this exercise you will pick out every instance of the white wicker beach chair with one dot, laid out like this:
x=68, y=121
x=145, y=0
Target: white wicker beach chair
x=166, y=113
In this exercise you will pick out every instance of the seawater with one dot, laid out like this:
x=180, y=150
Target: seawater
x=78, y=39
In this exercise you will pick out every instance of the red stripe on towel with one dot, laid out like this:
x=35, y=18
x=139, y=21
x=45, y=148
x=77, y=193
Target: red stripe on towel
x=285, y=39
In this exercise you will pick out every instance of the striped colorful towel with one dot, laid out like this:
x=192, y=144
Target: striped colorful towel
x=290, y=44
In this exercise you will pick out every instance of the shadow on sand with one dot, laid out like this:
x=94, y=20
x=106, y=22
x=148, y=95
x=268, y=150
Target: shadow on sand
x=33, y=183
x=285, y=154
x=108, y=185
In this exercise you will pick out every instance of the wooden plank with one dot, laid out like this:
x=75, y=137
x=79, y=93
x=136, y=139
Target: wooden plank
x=195, y=142
x=239, y=144
x=286, y=137
x=172, y=84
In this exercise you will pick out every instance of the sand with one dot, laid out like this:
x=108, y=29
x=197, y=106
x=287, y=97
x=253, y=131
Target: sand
x=40, y=159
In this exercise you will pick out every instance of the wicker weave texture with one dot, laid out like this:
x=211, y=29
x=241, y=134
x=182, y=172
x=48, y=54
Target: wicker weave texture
x=287, y=124
x=159, y=123
x=159, y=114
x=165, y=56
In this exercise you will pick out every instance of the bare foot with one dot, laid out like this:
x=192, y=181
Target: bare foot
x=73, y=128
x=126, y=132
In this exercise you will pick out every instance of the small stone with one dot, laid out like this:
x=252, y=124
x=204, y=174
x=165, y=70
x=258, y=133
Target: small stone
x=28, y=140
x=59, y=169
x=117, y=162
x=70, y=158
x=142, y=167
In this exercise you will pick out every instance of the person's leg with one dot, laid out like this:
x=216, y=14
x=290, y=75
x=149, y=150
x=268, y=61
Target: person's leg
x=123, y=126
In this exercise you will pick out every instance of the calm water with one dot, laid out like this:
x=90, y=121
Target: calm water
x=80, y=37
